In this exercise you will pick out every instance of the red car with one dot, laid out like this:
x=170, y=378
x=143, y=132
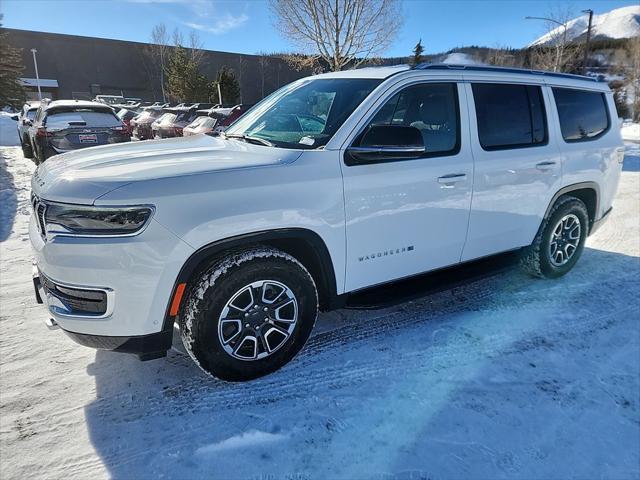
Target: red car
x=235, y=113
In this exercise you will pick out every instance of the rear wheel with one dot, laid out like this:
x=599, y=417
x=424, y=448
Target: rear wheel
x=27, y=151
x=560, y=240
x=249, y=313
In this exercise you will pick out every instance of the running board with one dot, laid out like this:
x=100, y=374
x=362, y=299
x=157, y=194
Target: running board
x=423, y=285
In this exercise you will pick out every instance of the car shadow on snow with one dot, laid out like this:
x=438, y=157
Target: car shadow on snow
x=506, y=375
x=8, y=199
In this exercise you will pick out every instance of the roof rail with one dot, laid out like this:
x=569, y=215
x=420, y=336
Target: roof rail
x=489, y=68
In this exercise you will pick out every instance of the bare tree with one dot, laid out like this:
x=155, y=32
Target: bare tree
x=300, y=62
x=501, y=56
x=178, y=38
x=242, y=66
x=263, y=67
x=633, y=76
x=340, y=32
x=159, y=49
x=196, y=51
x=556, y=52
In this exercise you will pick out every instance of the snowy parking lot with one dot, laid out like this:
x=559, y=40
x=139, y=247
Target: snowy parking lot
x=505, y=377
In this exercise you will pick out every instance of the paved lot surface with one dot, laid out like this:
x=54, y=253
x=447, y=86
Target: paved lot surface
x=508, y=377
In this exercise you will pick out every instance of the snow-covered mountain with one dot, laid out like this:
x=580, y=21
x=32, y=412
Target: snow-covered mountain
x=619, y=23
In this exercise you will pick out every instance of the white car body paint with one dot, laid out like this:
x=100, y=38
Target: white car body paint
x=207, y=189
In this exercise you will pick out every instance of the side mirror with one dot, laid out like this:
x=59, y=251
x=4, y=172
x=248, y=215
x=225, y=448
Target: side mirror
x=386, y=143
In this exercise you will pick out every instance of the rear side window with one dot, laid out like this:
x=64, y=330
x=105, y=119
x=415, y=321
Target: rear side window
x=583, y=114
x=81, y=118
x=509, y=116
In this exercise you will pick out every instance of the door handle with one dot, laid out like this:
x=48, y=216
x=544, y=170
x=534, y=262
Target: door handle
x=544, y=166
x=448, y=181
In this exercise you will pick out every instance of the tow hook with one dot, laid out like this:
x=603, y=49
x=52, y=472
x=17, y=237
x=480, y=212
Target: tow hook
x=51, y=324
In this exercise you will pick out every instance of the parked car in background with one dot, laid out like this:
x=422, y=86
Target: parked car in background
x=126, y=115
x=141, y=124
x=110, y=99
x=202, y=124
x=234, y=114
x=64, y=125
x=25, y=119
x=184, y=116
x=162, y=126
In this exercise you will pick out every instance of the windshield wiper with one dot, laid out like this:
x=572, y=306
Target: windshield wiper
x=250, y=139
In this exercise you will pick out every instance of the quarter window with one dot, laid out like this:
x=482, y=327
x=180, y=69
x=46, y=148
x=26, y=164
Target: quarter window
x=432, y=108
x=583, y=114
x=509, y=116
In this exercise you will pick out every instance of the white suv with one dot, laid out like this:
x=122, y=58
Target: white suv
x=333, y=184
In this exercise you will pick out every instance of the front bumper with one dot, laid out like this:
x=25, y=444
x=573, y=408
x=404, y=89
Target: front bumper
x=147, y=347
x=109, y=287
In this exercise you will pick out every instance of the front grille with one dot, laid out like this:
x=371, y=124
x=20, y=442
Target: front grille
x=76, y=300
x=39, y=210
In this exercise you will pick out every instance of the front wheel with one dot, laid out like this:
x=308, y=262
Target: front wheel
x=249, y=313
x=560, y=240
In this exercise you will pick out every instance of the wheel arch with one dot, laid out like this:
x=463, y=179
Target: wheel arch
x=303, y=244
x=588, y=192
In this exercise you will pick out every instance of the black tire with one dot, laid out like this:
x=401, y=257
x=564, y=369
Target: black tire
x=27, y=151
x=209, y=294
x=536, y=259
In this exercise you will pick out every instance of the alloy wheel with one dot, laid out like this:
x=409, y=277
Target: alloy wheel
x=258, y=320
x=565, y=239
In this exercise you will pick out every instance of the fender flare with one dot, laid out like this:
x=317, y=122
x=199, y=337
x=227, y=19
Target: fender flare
x=571, y=188
x=326, y=280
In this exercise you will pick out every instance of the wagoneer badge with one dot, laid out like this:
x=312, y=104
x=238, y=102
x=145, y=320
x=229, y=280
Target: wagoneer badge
x=386, y=253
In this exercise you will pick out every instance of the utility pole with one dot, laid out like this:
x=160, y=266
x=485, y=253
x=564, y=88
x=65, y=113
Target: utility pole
x=586, y=45
x=35, y=64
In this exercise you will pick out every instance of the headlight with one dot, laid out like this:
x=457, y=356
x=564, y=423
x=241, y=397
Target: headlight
x=80, y=220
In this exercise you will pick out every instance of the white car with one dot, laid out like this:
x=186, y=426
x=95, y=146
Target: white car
x=331, y=185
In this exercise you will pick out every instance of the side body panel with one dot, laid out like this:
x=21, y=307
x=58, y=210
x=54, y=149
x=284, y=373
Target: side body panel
x=595, y=160
x=512, y=187
x=400, y=220
x=205, y=208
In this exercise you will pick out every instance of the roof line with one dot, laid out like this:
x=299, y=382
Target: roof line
x=489, y=68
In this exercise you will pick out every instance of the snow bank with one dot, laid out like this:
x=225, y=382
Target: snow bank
x=459, y=59
x=630, y=131
x=8, y=130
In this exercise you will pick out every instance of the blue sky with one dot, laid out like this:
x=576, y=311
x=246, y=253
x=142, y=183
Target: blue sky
x=246, y=26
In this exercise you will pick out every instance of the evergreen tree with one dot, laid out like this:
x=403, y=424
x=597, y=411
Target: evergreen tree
x=11, y=91
x=418, y=50
x=229, y=86
x=185, y=83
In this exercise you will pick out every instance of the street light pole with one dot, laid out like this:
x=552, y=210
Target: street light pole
x=35, y=64
x=586, y=46
x=564, y=37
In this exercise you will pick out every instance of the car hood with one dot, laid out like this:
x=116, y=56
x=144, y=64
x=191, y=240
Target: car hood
x=84, y=175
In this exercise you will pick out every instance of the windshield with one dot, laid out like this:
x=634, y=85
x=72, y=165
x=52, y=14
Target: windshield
x=305, y=115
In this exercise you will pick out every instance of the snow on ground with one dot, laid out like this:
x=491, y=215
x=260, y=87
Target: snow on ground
x=8, y=130
x=508, y=377
x=630, y=131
